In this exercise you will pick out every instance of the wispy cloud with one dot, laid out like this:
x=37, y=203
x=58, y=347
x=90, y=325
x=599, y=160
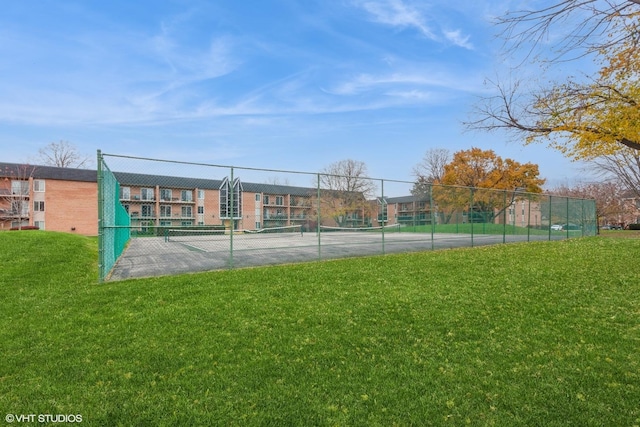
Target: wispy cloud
x=402, y=14
x=406, y=79
x=398, y=14
x=457, y=38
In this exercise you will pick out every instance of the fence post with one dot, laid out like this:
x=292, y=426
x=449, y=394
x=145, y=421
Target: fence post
x=232, y=218
x=504, y=216
x=550, y=210
x=433, y=221
x=382, y=191
x=529, y=217
x=101, y=272
x=470, y=214
x=568, y=227
x=319, y=216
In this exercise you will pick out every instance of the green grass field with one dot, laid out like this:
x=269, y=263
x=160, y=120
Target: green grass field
x=486, y=228
x=544, y=333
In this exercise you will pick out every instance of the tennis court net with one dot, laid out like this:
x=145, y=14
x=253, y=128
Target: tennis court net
x=360, y=230
x=219, y=233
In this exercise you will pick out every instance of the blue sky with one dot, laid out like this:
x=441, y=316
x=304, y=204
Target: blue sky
x=281, y=84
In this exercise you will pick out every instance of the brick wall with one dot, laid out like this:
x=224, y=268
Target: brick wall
x=71, y=206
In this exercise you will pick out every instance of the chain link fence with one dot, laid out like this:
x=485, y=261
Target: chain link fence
x=159, y=217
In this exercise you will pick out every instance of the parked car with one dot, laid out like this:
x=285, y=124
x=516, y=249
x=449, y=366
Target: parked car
x=556, y=227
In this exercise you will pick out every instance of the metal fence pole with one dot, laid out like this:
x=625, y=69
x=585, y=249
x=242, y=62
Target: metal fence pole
x=433, y=221
x=567, y=222
x=318, y=219
x=230, y=199
x=101, y=272
x=550, y=207
x=529, y=218
x=470, y=215
x=382, y=190
x=504, y=216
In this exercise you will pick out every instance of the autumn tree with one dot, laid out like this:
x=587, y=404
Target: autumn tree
x=482, y=172
x=62, y=154
x=582, y=118
x=345, y=189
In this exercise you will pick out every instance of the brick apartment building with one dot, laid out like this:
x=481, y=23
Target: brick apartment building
x=59, y=199
x=66, y=199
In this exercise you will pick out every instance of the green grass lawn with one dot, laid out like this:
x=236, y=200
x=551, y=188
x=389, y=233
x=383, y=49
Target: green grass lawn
x=544, y=333
x=486, y=228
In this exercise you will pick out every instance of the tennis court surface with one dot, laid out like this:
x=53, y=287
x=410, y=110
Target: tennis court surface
x=185, y=251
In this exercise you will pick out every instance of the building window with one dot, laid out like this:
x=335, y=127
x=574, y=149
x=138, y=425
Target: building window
x=39, y=224
x=266, y=200
x=165, y=223
x=147, y=210
x=231, y=199
x=146, y=194
x=165, y=211
x=20, y=188
x=201, y=209
x=257, y=197
x=200, y=194
x=383, y=210
x=165, y=194
x=279, y=201
x=125, y=193
x=187, y=195
x=38, y=206
x=186, y=223
x=187, y=212
x=38, y=185
x=258, y=226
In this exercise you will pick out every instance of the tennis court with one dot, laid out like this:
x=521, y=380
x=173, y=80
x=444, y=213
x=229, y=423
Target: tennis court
x=184, y=251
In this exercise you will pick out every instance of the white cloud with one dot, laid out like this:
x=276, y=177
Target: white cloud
x=397, y=81
x=458, y=39
x=397, y=14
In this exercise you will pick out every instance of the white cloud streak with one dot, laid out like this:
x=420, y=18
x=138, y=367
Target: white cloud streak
x=401, y=14
x=397, y=14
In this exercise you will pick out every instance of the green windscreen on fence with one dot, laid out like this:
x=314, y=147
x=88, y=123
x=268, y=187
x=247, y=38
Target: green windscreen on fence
x=161, y=217
x=115, y=223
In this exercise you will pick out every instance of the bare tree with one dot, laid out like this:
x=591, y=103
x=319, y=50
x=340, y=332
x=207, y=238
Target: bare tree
x=623, y=167
x=431, y=168
x=62, y=154
x=345, y=189
x=277, y=180
x=14, y=194
x=589, y=27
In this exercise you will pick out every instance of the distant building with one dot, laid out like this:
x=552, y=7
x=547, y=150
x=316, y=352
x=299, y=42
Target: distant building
x=65, y=199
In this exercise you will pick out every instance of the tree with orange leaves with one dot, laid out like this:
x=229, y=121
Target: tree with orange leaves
x=482, y=172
